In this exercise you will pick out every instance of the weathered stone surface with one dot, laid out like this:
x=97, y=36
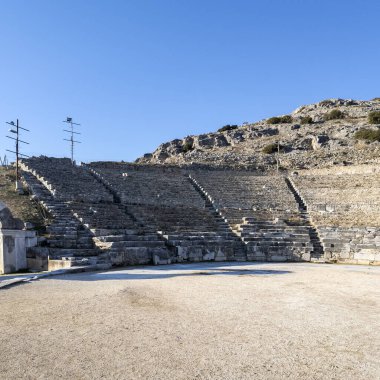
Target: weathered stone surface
x=7, y=221
x=13, y=242
x=319, y=141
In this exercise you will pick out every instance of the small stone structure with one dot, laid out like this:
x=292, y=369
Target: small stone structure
x=14, y=241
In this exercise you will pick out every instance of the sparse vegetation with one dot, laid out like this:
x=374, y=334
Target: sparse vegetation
x=368, y=134
x=187, y=147
x=325, y=102
x=280, y=119
x=306, y=120
x=374, y=117
x=376, y=99
x=334, y=115
x=228, y=127
x=20, y=205
x=272, y=148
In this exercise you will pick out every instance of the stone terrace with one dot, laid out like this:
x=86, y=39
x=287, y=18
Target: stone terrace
x=345, y=208
x=121, y=214
x=87, y=226
x=66, y=181
x=152, y=185
x=244, y=194
x=262, y=210
x=345, y=200
x=166, y=200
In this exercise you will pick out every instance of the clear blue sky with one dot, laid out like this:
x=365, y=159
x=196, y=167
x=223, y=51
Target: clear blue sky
x=142, y=72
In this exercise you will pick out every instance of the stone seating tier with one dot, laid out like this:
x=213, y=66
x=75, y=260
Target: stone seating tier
x=66, y=235
x=245, y=190
x=150, y=187
x=65, y=181
x=341, y=200
x=181, y=218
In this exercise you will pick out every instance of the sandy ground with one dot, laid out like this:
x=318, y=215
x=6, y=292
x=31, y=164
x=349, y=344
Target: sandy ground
x=207, y=321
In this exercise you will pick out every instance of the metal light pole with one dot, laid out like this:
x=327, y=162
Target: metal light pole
x=16, y=130
x=69, y=120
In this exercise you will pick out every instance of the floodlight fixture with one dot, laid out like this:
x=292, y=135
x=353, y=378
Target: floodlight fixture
x=18, y=141
x=69, y=121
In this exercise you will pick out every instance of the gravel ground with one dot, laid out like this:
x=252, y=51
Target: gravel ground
x=206, y=321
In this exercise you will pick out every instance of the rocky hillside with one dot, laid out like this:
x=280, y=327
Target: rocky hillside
x=317, y=135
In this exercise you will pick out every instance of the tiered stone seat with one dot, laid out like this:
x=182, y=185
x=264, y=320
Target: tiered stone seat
x=165, y=199
x=67, y=239
x=126, y=240
x=232, y=190
x=262, y=210
x=66, y=181
x=196, y=234
x=77, y=200
x=345, y=208
x=343, y=200
x=276, y=241
x=136, y=184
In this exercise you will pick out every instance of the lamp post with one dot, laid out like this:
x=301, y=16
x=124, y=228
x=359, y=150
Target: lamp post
x=16, y=131
x=69, y=121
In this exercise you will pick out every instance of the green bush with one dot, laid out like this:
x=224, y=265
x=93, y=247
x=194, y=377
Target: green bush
x=228, y=127
x=274, y=120
x=374, y=117
x=325, y=102
x=280, y=120
x=306, y=120
x=286, y=119
x=272, y=148
x=187, y=147
x=334, y=115
x=368, y=134
x=376, y=99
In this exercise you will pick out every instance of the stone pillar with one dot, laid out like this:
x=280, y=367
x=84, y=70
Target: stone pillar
x=13, y=242
x=12, y=251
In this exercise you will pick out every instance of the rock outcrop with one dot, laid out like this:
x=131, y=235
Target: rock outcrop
x=308, y=140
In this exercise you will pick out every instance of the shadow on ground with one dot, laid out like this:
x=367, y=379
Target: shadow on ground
x=175, y=270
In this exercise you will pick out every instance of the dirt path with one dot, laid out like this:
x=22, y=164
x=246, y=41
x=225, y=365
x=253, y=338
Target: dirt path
x=263, y=321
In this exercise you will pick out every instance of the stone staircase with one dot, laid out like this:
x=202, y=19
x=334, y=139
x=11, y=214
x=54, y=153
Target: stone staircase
x=165, y=201
x=318, y=253
x=269, y=233
x=275, y=240
x=121, y=238
x=191, y=234
x=239, y=251
x=97, y=234
x=67, y=242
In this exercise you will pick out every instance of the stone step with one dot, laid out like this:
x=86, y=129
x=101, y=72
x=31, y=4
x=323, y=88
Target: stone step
x=268, y=244
x=136, y=243
x=134, y=255
x=71, y=252
x=116, y=238
x=119, y=231
x=275, y=238
x=201, y=243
